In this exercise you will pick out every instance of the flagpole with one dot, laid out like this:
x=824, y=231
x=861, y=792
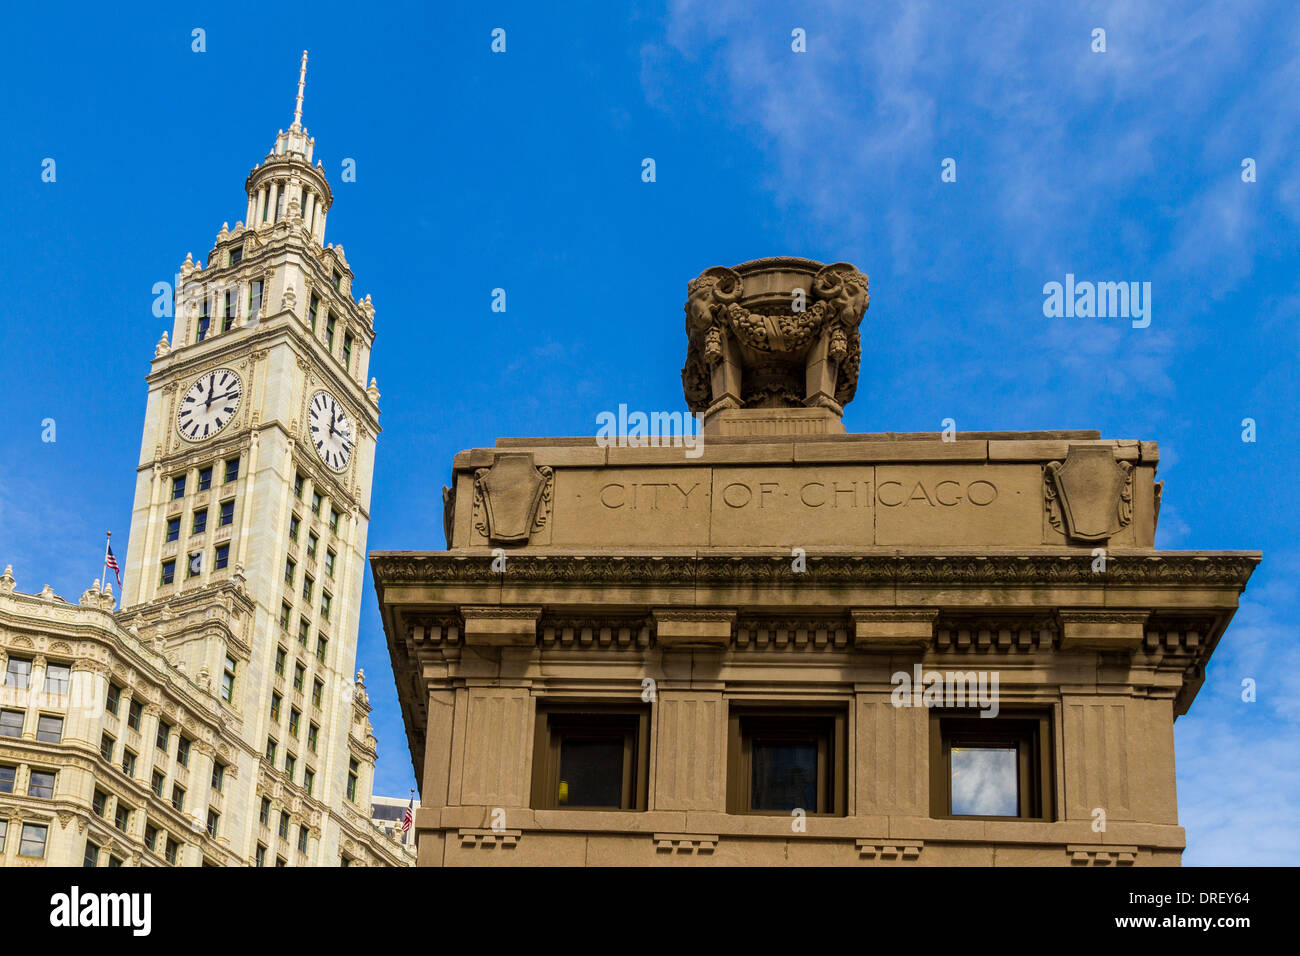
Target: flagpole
x=103, y=578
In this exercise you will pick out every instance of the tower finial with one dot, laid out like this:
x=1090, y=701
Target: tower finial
x=302, y=83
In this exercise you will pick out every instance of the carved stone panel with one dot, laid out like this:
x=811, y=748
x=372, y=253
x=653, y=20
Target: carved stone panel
x=1089, y=496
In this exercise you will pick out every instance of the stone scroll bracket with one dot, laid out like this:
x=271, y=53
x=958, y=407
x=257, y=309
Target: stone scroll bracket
x=894, y=629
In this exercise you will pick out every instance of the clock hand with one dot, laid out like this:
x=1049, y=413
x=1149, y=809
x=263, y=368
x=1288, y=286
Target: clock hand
x=212, y=387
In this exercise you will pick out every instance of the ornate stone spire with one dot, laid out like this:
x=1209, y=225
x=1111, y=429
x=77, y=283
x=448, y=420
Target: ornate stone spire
x=302, y=84
x=286, y=188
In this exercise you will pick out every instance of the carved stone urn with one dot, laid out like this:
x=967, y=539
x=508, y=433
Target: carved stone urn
x=776, y=339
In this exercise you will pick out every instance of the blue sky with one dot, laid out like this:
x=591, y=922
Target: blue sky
x=523, y=171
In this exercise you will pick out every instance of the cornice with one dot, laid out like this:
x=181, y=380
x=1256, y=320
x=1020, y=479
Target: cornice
x=1222, y=569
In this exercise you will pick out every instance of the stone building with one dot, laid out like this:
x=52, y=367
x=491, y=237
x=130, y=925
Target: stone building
x=785, y=644
x=215, y=717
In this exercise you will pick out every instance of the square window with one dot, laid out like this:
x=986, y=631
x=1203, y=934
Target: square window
x=195, y=564
x=156, y=785
x=308, y=780
x=128, y=762
x=106, y=747
x=325, y=600
x=261, y=855
x=163, y=736
x=178, y=487
x=168, y=572
x=271, y=747
x=227, y=513
x=330, y=324
x=213, y=819
x=200, y=521
x=781, y=760
x=49, y=728
x=151, y=836
x=173, y=528
x=593, y=756
x=316, y=503
x=299, y=672
x=304, y=629
x=183, y=751
x=991, y=768
x=264, y=814
x=334, y=521
x=18, y=673
x=347, y=352
x=275, y=707
x=353, y=772
x=236, y=255
x=283, y=829
x=99, y=802
x=222, y=557
x=113, y=700
x=11, y=723
x=297, y=485
x=294, y=523
x=173, y=850
x=41, y=785
x=122, y=818
x=232, y=470
x=307, y=584
x=134, y=713
x=255, y=297
x=7, y=775
x=290, y=765
x=302, y=839
x=317, y=690
x=228, y=314
x=91, y=857
x=178, y=797
x=205, y=478
x=285, y=612
x=289, y=569
x=329, y=563
x=312, y=308
x=32, y=843
x=280, y=655
x=57, y=678
x=218, y=776
x=295, y=718
x=322, y=645
x=312, y=541
x=114, y=861
x=313, y=735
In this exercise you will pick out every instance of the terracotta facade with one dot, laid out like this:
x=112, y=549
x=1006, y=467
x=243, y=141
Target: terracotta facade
x=780, y=573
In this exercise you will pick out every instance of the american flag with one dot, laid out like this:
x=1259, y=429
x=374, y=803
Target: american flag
x=111, y=562
x=408, y=817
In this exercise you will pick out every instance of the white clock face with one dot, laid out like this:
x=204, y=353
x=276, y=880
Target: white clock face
x=210, y=404
x=332, y=432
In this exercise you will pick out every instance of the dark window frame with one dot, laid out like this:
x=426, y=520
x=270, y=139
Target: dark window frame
x=825, y=723
x=1031, y=733
x=564, y=718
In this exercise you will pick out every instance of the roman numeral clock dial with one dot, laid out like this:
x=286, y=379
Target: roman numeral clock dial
x=210, y=404
x=332, y=431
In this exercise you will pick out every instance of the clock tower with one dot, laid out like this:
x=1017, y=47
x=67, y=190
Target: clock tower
x=253, y=492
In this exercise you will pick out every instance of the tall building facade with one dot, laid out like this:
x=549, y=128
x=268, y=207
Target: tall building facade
x=237, y=636
x=781, y=643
